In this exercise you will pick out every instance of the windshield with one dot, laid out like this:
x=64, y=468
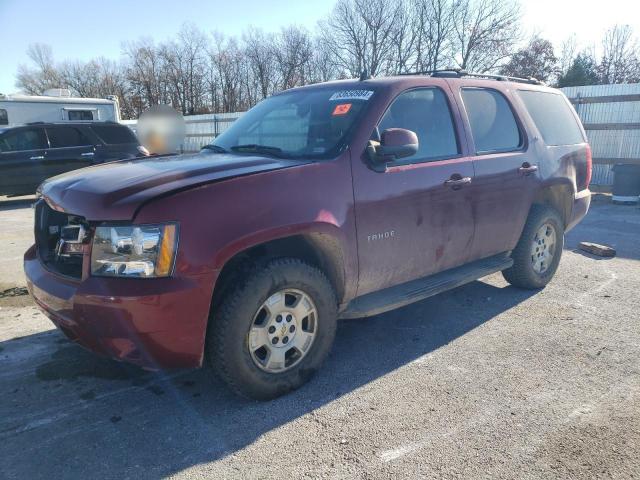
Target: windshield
x=310, y=123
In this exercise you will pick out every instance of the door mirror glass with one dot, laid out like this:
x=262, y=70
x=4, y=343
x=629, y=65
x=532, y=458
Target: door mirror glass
x=395, y=143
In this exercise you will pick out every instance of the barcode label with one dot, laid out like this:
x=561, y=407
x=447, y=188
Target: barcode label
x=352, y=95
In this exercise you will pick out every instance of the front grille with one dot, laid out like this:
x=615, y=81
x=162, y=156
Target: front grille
x=61, y=240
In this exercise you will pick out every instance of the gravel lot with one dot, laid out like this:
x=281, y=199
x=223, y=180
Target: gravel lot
x=486, y=381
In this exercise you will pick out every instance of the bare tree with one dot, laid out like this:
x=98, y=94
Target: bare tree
x=293, y=53
x=192, y=46
x=36, y=80
x=433, y=21
x=568, y=53
x=145, y=74
x=323, y=67
x=228, y=74
x=619, y=62
x=259, y=50
x=361, y=34
x=486, y=32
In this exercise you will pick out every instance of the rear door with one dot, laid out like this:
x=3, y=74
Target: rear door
x=70, y=148
x=22, y=160
x=415, y=217
x=505, y=171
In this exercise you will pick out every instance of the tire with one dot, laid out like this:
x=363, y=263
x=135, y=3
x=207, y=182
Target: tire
x=236, y=328
x=533, y=269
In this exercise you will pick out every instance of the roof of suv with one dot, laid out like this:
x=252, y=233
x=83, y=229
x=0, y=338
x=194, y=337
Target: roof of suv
x=71, y=124
x=63, y=124
x=418, y=78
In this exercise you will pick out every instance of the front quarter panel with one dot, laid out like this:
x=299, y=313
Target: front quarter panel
x=219, y=220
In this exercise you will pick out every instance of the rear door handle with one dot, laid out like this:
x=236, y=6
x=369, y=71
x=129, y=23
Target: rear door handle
x=88, y=154
x=456, y=181
x=37, y=157
x=528, y=169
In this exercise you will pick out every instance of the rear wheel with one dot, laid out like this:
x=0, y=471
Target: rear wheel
x=537, y=254
x=273, y=330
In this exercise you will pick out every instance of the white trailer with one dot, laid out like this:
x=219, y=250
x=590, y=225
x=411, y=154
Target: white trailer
x=56, y=105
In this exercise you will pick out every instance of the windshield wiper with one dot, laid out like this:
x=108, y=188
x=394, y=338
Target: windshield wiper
x=214, y=148
x=264, y=149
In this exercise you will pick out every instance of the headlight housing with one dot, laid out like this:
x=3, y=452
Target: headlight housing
x=146, y=251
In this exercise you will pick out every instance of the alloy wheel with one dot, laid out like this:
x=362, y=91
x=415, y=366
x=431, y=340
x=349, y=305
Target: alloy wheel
x=543, y=248
x=283, y=330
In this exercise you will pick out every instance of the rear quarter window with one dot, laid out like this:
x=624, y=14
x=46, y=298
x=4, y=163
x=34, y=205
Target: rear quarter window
x=114, y=135
x=553, y=117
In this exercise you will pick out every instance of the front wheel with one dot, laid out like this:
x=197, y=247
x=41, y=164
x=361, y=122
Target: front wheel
x=274, y=329
x=537, y=254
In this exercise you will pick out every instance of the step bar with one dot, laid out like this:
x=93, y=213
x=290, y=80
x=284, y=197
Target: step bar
x=400, y=295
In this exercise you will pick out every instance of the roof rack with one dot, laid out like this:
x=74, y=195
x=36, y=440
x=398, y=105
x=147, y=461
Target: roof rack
x=459, y=73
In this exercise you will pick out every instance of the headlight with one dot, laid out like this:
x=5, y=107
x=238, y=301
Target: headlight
x=134, y=250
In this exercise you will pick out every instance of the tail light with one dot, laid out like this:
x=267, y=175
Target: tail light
x=589, y=165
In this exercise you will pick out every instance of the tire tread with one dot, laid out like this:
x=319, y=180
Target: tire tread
x=521, y=274
x=223, y=316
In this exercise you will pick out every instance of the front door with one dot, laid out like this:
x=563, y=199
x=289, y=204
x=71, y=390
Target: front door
x=415, y=218
x=22, y=160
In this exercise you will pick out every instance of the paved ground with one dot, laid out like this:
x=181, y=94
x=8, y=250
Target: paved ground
x=486, y=381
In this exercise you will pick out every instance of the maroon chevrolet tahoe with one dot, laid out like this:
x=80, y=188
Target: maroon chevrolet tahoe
x=338, y=200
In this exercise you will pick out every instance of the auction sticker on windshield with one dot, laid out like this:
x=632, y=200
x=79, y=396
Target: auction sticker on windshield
x=341, y=109
x=352, y=95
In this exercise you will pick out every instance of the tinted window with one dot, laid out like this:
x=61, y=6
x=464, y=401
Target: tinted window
x=20, y=140
x=492, y=122
x=553, y=117
x=60, y=137
x=79, y=115
x=426, y=112
x=114, y=135
x=4, y=118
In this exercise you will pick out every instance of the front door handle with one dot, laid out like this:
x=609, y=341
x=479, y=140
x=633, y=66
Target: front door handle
x=88, y=154
x=37, y=157
x=528, y=169
x=457, y=181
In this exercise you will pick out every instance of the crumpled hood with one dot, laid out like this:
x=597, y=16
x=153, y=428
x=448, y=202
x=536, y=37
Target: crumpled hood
x=115, y=190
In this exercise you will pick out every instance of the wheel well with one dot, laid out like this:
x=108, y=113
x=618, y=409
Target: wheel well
x=558, y=197
x=319, y=250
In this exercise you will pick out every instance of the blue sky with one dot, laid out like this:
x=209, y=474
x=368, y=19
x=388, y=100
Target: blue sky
x=88, y=28
x=84, y=29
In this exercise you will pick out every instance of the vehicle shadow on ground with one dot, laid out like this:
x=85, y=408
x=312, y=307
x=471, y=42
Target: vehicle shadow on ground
x=8, y=203
x=95, y=415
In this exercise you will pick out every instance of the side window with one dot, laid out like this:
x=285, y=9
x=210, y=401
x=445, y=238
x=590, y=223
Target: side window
x=553, y=116
x=426, y=112
x=80, y=115
x=114, y=135
x=23, y=140
x=493, y=125
x=61, y=137
x=4, y=118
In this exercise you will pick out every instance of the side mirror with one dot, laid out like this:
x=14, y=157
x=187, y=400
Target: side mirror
x=395, y=143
